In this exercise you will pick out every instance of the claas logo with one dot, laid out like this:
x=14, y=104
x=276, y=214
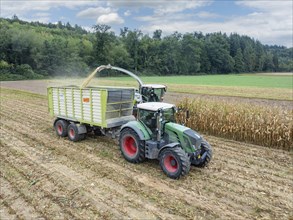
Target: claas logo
x=86, y=99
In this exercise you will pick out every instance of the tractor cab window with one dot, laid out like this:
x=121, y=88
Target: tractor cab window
x=168, y=115
x=148, y=118
x=152, y=95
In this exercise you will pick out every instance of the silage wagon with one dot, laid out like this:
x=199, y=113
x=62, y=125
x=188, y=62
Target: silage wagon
x=91, y=107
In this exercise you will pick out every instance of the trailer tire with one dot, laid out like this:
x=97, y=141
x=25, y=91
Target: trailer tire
x=174, y=162
x=131, y=147
x=73, y=133
x=61, y=126
x=205, y=148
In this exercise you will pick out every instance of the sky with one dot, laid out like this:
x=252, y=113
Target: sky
x=269, y=21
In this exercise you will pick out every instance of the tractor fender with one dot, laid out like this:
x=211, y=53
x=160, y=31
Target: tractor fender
x=170, y=145
x=134, y=125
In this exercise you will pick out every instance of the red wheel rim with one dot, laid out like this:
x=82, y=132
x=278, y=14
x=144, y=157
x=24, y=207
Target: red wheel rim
x=71, y=133
x=129, y=146
x=59, y=128
x=170, y=163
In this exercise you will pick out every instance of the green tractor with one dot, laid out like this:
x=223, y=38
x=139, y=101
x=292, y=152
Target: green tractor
x=155, y=135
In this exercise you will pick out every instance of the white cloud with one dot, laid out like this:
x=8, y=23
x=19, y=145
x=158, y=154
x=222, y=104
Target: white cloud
x=112, y=18
x=178, y=6
x=162, y=6
x=10, y=7
x=271, y=22
x=206, y=14
x=94, y=12
x=127, y=13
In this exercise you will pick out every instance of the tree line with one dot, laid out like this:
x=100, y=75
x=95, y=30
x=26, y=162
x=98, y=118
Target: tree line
x=31, y=50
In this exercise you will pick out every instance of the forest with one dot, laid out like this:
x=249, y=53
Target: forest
x=33, y=50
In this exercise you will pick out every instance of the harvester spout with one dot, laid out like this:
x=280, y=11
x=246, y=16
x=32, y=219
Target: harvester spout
x=128, y=73
x=91, y=76
x=100, y=68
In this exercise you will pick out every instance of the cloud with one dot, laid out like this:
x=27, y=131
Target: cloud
x=94, y=12
x=270, y=22
x=206, y=14
x=112, y=18
x=127, y=13
x=161, y=6
x=20, y=8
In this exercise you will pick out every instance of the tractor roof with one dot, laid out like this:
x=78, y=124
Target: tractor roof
x=154, y=86
x=155, y=106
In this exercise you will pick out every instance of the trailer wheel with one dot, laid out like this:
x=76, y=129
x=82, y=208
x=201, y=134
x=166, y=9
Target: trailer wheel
x=73, y=133
x=174, y=162
x=132, y=148
x=61, y=126
x=205, y=155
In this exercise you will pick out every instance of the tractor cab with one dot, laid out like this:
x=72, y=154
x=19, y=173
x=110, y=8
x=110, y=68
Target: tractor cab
x=155, y=114
x=159, y=120
x=153, y=92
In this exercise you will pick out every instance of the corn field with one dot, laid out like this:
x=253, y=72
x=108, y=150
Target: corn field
x=270, y=127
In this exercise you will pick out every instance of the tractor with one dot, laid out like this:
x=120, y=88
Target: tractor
x=155, y=135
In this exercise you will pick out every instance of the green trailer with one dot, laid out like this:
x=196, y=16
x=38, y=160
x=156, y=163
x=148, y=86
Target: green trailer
x=99, y=107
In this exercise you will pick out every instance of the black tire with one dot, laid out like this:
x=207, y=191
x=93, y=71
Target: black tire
x=131, y=147
x=205, y=148
x=61, y=126
x=174, y=162
x=73, y=133
x=98, y=132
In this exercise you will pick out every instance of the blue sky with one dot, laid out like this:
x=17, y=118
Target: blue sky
x=268, y=21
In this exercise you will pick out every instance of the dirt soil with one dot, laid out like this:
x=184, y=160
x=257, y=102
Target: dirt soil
x=48, y=177
x=40, y=87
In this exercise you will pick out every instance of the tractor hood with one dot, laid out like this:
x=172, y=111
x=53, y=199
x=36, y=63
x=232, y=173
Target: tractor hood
x=194, y=138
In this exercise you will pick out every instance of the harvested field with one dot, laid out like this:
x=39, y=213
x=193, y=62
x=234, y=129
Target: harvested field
x=44, y=176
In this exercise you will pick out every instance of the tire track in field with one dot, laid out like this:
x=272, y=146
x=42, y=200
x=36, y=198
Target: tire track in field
x=37, y=199
x=16, y=203
x=66, y=192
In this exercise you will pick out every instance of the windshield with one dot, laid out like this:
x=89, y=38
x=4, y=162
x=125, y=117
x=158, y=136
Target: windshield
x=152, y=95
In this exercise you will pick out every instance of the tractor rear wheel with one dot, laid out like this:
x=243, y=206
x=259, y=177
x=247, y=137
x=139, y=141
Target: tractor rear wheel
x=73, y=133
x=174, y=162
x=132, y=148
x=61, y=126
x=205, y=156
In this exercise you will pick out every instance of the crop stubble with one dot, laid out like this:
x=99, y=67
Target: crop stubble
x=55, y=178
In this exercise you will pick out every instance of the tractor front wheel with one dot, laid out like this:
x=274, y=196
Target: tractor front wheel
x=61, y=126
x=132, y=148
x=174, y=162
